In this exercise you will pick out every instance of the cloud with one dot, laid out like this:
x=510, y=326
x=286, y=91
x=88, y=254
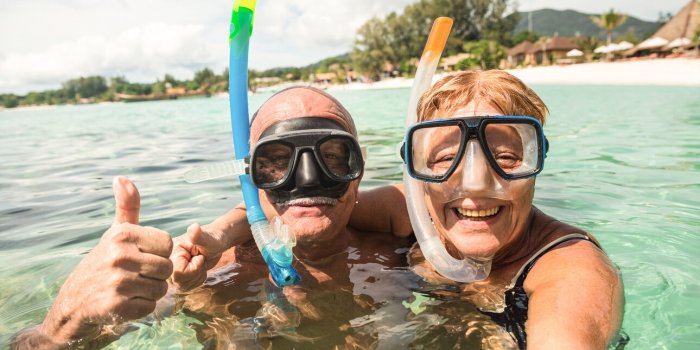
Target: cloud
x=140, y=53
x=320, y=23
x=143, y=40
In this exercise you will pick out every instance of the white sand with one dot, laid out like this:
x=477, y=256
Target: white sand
x=677, y=72
x=658, y=72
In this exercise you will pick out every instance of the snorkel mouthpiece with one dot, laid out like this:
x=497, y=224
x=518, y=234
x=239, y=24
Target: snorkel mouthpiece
x=467, y=269
x=274, y=245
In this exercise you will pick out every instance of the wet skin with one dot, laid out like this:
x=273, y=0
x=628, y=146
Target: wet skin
x=575, y=293
x=371, y=272
x=482, y=237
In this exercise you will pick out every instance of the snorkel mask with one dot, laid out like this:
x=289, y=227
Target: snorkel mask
x=474, y=156
x=307, y=157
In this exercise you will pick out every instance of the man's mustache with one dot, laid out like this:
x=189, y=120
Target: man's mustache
x=310, y=201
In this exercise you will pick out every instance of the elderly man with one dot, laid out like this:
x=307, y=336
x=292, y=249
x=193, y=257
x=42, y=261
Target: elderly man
x=344, y=272
x=316, y=206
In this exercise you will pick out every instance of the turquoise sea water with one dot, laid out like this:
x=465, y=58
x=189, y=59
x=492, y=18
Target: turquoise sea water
x=624, y=163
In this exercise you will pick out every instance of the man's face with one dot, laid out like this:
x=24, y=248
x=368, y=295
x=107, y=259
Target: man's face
x=314, y=221
x=316, y=209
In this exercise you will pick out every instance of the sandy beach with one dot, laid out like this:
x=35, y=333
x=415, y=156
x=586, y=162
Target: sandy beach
x=659, y=72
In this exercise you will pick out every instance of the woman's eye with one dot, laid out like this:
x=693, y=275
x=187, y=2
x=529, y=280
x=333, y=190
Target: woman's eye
x=507, y=160
x=442, y=161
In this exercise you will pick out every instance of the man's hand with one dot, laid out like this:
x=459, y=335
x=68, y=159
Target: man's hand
x=195, y=252
x=119, y=280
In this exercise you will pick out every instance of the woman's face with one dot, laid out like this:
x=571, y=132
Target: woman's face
x=476, y=211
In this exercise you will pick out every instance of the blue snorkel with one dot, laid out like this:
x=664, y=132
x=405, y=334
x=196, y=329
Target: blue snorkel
x=275, y=243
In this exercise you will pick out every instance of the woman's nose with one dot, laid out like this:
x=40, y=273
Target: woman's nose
x=477, y=174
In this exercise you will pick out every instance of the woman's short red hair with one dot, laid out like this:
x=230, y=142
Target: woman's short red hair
x=502, y=90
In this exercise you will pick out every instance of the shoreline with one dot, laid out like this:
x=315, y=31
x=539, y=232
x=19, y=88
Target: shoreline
x=653, y=72
x=656, y=72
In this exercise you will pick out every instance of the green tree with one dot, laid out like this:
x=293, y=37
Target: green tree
x=118, y=84
x=589, y=44
x=10, y=101
x=485, y=54
x=525, y=35
x=609, y=21
x=85, y=87
x=204, y=77
x=371, y=48
x=399, y=38
x=169, y=79
x=629, y=36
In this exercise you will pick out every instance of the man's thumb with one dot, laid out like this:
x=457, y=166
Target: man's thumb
x=127, y=199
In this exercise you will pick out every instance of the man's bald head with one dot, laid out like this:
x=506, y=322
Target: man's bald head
x=299, y=102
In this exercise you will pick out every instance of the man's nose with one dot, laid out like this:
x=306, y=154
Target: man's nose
x=308, y=172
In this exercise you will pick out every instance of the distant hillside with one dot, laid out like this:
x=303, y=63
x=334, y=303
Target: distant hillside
x=570, y=22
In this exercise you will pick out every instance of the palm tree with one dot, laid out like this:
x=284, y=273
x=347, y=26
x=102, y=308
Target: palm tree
x=609, y=21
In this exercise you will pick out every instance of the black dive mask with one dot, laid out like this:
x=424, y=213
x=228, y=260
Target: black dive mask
x=305, y=157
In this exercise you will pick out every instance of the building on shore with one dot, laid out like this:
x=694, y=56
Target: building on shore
x=546, y=51
x=449, y=63
x=678, y=34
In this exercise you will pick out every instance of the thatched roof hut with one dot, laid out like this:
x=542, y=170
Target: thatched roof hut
x=683, y=25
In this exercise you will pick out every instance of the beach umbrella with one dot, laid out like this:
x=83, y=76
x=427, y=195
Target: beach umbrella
x=652, y=43
x=678, y=43
x=574, y=53
x=625, y=45
x=602, y=49
x=613, y=47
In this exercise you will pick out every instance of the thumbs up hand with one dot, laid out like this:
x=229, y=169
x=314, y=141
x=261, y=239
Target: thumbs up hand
x=119, y=280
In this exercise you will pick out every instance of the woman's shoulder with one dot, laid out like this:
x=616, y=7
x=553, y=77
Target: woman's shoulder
x=566, y=252
x=572, y=254
x=551, y=230
x=574, y=285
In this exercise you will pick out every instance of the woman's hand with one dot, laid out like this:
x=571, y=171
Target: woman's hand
x=195, y=252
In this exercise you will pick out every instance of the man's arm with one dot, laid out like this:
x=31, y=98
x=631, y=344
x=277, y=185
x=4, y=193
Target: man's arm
x=575, y=299
x=382, y=209
x=119, y=280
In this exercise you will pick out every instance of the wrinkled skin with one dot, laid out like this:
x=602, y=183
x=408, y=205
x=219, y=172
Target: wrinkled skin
x=119, y=280
x=482, y=238
x=319, y=229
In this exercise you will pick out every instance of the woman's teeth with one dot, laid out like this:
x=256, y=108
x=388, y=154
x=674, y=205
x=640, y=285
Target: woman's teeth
x=476, y=214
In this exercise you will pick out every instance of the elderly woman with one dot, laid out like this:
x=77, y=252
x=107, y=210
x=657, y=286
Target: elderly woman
x=550, y=284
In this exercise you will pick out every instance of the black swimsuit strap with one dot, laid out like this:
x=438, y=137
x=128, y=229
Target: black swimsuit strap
x=522, y=274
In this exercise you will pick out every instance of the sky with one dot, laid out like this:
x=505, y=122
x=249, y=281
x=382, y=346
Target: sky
x=46, y=42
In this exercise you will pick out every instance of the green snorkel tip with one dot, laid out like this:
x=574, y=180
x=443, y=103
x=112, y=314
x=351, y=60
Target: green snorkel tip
x=241, y=6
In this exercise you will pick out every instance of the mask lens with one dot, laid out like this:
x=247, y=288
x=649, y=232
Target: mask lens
x=514, y=147
x=272, y=162
x=434, y=149
x=340, y=157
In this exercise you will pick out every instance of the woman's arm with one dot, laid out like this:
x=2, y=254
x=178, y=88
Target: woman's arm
x=382, y=209
x=576, y=299
x=200, y=248
x=232, y=227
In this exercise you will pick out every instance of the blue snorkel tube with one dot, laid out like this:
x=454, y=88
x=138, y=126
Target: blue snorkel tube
x=275, y=243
